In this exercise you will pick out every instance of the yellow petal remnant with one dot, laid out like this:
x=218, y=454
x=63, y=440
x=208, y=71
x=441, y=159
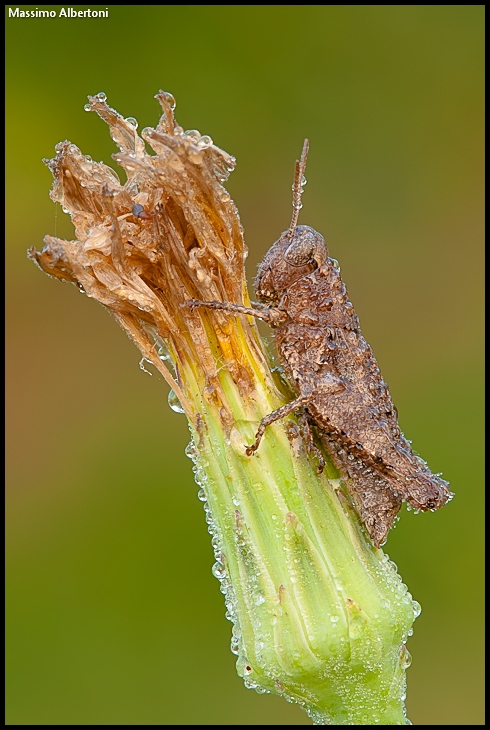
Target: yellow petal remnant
x=319, y=614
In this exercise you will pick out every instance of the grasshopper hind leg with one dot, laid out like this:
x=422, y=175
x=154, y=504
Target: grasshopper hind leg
x=373, y=495
x=305, y=424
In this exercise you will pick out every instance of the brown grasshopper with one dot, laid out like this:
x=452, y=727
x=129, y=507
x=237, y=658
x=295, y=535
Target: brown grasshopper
x=337, y=380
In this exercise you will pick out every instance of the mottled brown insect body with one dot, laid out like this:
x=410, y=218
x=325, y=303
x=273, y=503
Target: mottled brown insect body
x=336, y=377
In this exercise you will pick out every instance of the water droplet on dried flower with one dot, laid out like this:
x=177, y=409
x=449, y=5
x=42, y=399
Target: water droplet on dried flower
x=193, y=134
x=132, y=121
x=170, y=99
x=205, y=141
x=224, y=195
x=101, y=96
x=174, y=403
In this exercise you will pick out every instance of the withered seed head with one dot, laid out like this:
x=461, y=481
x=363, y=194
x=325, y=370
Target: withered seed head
x=168, y=234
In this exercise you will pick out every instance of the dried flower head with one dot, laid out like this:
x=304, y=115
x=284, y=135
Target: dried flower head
x=170, y=233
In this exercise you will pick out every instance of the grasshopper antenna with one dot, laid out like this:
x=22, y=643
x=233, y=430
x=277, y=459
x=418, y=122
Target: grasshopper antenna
x=299, y=181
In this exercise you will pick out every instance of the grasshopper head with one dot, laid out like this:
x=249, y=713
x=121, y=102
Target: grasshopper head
x=294, y=255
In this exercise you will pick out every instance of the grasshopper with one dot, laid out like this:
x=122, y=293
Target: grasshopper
x=334, y=374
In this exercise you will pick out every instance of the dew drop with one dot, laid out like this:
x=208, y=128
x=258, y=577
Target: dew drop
x=190, y=451
x=218, y=570
x=88, y=107
x=234, y=644
x=417, y=609
x=101, y=96
x=132, y=121
x=405, y=657
x=163, y=353
x=205, y=141
x=336, y=264
x=334, y=619
x=193, y=134
x=174, y=403
x=293, y=188
x=170, y=99
x=249, y=684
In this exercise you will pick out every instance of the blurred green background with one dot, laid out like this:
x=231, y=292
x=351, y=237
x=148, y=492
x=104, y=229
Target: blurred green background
x=113, y=616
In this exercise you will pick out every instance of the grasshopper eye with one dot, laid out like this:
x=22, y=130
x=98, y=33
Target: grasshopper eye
x=299, y=253
x=307, y=245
